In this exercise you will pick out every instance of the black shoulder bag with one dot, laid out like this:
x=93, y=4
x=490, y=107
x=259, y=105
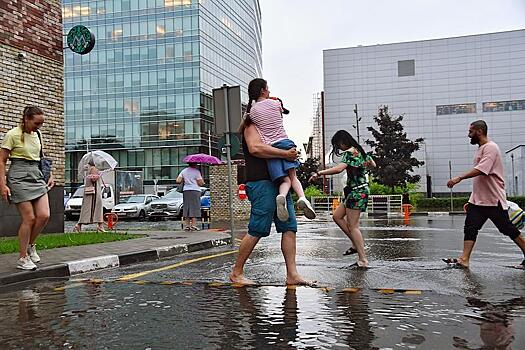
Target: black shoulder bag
x=45, y=163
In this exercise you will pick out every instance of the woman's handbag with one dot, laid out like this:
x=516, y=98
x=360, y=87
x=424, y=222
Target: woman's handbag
x=90, y=190
x=180, y=187
x=45, y=164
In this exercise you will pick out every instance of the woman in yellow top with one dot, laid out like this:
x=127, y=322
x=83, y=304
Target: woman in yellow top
x=25, y=184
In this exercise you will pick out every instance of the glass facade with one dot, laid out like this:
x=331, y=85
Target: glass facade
x=144, y=93
x=501, y=106
x=461, y=108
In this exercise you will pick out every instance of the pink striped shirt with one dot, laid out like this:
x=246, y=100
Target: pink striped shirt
x=268, y=119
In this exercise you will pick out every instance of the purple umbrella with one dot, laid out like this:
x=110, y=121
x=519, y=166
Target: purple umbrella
x=201, y=158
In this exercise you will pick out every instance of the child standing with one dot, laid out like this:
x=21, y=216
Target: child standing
x=266, y=114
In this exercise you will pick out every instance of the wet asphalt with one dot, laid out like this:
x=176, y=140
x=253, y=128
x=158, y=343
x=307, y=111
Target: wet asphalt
x=408, y=298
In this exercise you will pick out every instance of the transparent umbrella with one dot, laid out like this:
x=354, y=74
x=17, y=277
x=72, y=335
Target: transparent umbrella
x=103, y=162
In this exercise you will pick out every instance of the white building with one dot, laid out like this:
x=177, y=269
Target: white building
x=440, y=86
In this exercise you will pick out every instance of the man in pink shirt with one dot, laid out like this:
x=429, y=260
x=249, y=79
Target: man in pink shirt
x=488, y=199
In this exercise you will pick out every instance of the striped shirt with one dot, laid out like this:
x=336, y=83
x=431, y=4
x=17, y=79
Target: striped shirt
x=268, y=119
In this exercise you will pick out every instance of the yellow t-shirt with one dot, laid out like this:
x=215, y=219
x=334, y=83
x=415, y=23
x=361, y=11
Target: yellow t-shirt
x=29, y=149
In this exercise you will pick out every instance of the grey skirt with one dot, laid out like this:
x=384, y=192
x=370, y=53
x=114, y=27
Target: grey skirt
x=191, y=204
x=25, y=180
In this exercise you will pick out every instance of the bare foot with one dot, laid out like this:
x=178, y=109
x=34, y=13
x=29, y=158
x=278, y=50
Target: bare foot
x=240, y=279
x=298, y=280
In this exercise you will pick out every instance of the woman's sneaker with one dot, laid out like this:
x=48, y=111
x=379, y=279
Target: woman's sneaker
x=31, y=251
x=282, y=210
x=25, y=263
x=306, y=207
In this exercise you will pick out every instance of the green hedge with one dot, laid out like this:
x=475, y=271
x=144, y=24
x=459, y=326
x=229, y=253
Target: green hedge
x=443, y=204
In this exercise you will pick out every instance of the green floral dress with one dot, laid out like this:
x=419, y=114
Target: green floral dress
x=356, y=191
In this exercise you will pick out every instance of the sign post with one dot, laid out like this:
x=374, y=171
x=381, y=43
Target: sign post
x=227, y=100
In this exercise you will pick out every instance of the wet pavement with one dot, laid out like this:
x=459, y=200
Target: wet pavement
x=408, y=299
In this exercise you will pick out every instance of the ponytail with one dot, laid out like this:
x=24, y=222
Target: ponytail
x=28, y=113
x=255, y=88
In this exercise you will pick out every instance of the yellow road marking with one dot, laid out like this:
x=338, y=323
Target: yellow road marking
x=170, y=267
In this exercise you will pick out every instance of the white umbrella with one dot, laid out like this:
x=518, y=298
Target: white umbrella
x=103, y=162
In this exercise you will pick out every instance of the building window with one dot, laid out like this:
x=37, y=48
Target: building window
x=406, y=68
x=501, y=106
x=461, y=108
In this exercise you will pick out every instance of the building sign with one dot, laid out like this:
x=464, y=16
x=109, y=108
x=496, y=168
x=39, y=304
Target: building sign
x=80, y=40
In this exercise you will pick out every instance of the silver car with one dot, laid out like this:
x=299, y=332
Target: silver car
x=169, y=206
x=136, y=206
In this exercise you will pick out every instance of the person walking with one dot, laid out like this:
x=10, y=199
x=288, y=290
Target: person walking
x=488, y=199
x=261, y=193
x=25, y=185
x=192, y=179
x=92, y=210
x=354, y=161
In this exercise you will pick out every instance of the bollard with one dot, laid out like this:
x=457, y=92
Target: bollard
x=111, y=220
x=406, y=211
x=335, y=204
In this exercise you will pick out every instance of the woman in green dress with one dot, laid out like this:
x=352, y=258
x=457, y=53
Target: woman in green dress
x=355, y=161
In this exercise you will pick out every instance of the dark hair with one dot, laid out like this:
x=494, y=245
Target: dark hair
x=28, y=113
x=343, y=137
x=481, y=125
x=255, y=88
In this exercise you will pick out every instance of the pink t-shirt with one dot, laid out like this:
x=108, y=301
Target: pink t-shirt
x=268, y=119
x=489, y=188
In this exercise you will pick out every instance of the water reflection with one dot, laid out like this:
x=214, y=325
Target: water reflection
x=495, y=319
x=200, y=315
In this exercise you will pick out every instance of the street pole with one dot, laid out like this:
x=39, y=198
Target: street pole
x=228, y=145
x=209, y=142
x=450, y=177
x=357, y=119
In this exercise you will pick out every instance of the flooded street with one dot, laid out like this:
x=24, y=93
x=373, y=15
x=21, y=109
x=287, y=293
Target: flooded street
x=407, y=299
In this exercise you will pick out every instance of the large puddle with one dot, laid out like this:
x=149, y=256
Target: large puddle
x=211, y=316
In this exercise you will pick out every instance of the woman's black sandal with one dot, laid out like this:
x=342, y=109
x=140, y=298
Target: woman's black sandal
x=350, y=251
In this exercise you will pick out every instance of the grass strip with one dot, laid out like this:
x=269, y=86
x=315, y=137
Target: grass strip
x=57, y=240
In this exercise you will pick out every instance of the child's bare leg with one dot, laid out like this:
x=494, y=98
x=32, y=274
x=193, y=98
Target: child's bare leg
x=296, y=184
x=302, y=202
x=285, y=186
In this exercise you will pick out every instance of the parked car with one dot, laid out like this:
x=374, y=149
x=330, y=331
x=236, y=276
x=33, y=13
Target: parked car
x=73, y=205
x=168, y=206
x=135, y=206
x=205, y=201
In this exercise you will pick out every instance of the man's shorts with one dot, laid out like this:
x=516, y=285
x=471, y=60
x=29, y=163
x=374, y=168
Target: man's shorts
x=264, y=209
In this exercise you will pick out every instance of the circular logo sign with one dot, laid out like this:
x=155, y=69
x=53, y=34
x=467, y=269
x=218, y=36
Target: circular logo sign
x=80, y=40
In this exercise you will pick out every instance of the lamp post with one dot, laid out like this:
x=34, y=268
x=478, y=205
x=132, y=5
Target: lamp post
x=357, y=120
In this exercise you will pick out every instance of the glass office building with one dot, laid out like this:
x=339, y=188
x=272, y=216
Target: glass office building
x=144, y=93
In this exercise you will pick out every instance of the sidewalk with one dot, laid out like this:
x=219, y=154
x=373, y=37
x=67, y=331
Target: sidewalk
x=67, y=261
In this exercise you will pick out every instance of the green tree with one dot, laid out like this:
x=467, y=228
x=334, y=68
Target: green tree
x=305, y=170
x=392, y=152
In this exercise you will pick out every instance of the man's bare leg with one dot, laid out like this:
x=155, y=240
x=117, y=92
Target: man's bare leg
x=288, y=248
x=520, y=242
x=464, y=259
x=245, y=249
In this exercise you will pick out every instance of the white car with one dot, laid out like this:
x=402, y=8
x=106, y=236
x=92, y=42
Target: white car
x=169, y=206
x=74, y=204
x=135, y=206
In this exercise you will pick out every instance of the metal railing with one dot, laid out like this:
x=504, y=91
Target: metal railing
x=377, y=204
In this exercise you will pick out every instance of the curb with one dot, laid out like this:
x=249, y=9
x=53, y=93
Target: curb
x=76, y=267
x=436, y=213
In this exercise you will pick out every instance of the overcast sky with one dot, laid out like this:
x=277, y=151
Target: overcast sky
x=295, y=33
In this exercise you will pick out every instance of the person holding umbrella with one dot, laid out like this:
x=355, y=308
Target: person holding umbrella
x=91, y=167
x=92, y=210
x=192, y=181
